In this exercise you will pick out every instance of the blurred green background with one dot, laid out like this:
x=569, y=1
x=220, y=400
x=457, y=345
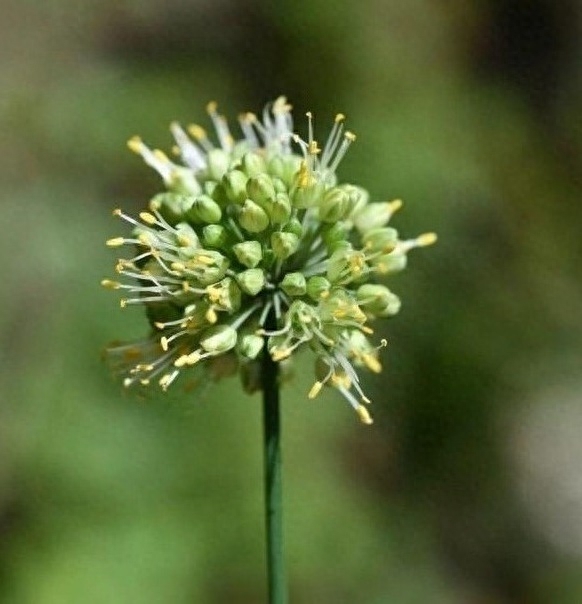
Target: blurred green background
x=468, y=488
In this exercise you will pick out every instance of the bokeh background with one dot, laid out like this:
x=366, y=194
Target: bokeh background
x=468, y=488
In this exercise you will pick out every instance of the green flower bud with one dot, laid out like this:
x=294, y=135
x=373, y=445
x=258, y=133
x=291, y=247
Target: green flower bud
x=358, y=197
x=218, y=339
x=252, y=217
x=378, y=300
x=280, y=210
x=294, y=226
x=219, y=194
x=218, y=162
x=205, y=209
x=172, y=206
x=381, y=240
x=248, y=253
x=284, y=244
x=260, y=189
x=334, y=206
x=183, y=181
x=294, y=284
x=318, y=287
x=250, y=345
x=375, y=215
x=214, y=235
x=251, y=281
x=253, y=164
x=280, y=186
x=235, y=185
x=334, y=234
x=284, y=168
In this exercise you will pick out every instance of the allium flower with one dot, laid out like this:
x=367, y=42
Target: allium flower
x=250, y=227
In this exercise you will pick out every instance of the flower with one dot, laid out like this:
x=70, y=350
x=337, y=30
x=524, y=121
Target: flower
x=250, y=227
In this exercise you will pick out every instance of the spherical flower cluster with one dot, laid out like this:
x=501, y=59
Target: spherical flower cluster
x=252, y=229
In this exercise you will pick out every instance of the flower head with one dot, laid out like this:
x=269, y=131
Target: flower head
x=252, y=227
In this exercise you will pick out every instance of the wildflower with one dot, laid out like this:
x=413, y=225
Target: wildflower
x=254, y=226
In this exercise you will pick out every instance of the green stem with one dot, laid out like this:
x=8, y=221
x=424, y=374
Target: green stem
x=273, y=480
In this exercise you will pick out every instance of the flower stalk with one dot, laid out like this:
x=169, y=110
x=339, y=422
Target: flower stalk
x=273, y=479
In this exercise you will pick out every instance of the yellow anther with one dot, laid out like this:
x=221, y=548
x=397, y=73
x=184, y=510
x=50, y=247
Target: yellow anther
x=181, y=361
x=364, y=415
x=110, y=284
x=197, y=132
x=164, y=343
x=193, y=358
x=250, y=117
x=115, y=242
x=148, y=218
x=123, y=303
x=367, y=330
x=127, y=382
x=177, y=266
x=305, y=177
x=211, y=107
x=395, y=205
x=135, y=144
x=372, y=363
x=144, y=381
x=315, y=390
x=211, y=315
x=350, y=136
x=159, y=325
x=366, y=400
x=161, y=156
x=278, y=354
x=426, y=239
x=383, y=343
x=185, y=286
x=165, y=380
x=309, y=114
x=205, y=259
x=341, y=380
x=116, y=212
x=313, y=148
x=340, y=117
x=184, y=240
x=145, y=238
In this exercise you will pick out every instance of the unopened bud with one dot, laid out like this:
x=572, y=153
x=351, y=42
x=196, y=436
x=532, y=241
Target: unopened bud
x=294, y=284
x=214, y=235
x=172, y=206
x=334, y=206
x=251, y=281
x=253, y=164
x=381, y=240
x=318, y=287
x=248, y=253
x=250, y=345
x=205, y=210
x=252, y=217
x=260, y=189
x=235, y=186
x=218, y=161
x=218, y=339
x=378, y=299
x=280, y=209
x=284, y=244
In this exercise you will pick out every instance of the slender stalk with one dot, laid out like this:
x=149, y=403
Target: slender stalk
x=273, y=479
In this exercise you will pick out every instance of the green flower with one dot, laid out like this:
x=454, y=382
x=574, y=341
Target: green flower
x=249, y=227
